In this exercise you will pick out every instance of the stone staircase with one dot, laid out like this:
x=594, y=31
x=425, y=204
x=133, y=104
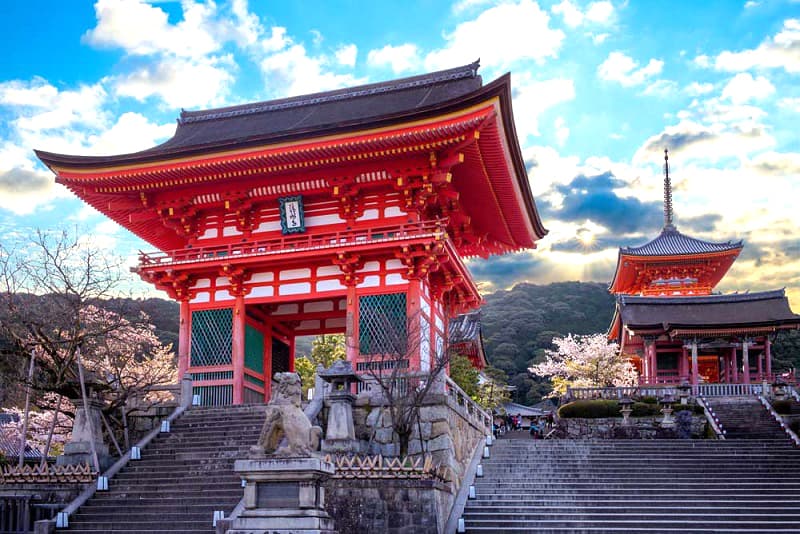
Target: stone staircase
x=182, y=478
x=745, y=418
x=637, y=486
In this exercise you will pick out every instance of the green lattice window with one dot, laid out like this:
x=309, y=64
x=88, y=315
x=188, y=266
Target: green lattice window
x=382, y=325
x=212, y=343
x=253, y=349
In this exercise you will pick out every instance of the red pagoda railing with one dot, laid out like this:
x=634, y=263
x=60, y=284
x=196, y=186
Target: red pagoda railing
x=296, y=243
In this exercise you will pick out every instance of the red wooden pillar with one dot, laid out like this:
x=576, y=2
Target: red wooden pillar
x=184, y=338
x=745, y=362
x=237, y=353
x=652, y=376
x=695, y=372
x=760, y=366
x=267, y=360
x=768, y=357
x=683, y=368
x=291, y=353
x=726, y=368
x=734, y=366
x=413, y=316
x=351, y=325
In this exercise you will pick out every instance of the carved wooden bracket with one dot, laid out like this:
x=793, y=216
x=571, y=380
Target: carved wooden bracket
x=349, y=265
x=238, y=277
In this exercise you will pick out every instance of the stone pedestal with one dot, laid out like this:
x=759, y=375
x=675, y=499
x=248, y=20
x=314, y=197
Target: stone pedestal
x=86, y=429
x=667, y=421
x=284, y=495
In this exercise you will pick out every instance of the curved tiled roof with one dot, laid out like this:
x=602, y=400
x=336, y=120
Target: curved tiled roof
x=761, y=308
x=670, y=242
x=465, y=328
x=317, y=113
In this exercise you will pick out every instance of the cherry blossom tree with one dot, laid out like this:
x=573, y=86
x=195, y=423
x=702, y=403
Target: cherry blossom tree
x=585, y=361
x=54, y=290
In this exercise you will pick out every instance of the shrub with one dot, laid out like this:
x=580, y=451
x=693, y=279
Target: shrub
x=782, y=406
x=650, y=400
x=644, y=409
x=590, y=409
x=692, y=408
x=683, y=424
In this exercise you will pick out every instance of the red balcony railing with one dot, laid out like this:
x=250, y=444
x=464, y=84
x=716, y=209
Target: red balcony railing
x=309, y=242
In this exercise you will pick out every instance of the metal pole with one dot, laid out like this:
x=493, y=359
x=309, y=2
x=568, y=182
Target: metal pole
x=23, y=437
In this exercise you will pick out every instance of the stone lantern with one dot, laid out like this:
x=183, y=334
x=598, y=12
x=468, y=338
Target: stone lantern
x=625, y=407
x=86, y=438
x=683, y=392
x=666, y=410
x=340, y=433
x=779, y=388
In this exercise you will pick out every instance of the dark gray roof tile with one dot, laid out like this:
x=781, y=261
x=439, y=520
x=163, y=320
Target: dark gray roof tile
x=670, y=242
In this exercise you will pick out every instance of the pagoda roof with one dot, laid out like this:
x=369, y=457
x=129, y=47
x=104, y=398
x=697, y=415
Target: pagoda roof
x=286, y=118
x=300, y=144
x=671, y=242
x=672, y=247
x=465, y=329
x=759, y=312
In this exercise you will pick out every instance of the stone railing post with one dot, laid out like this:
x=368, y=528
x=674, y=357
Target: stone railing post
x=186, y=392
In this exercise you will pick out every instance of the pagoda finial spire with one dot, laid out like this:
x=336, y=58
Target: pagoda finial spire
x=667, y=194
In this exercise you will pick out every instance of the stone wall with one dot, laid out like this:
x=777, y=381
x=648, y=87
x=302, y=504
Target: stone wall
x=391, y=506
x=612, y=428
x=449, y=433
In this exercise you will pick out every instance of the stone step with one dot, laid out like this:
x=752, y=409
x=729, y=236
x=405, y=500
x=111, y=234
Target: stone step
x=614, y=525
x=127, y=524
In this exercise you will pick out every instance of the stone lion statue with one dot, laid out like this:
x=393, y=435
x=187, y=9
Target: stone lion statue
x=287, y=431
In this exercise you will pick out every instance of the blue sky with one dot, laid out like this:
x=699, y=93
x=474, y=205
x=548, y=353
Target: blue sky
x=600, y=89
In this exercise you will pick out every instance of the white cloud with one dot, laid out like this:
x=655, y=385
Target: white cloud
x=571, y=14
x=706, y=143
x=744, y=87
x=697, y=89
x=346, y=55
x=596, y=13
x=562, y=130
x=399, y=58
x=132, y=132
x=600, y=12
x=779, y=52
x=180, y=82
x=661, y=88
x=621, y=68
x=702, y=61
x=276, y=41
x=466, y=5
x=294, y=72
x=600, y=38
x=41, y=106
x=792, y=104
x=141, y=28
x=500, y=36
x=533, y=97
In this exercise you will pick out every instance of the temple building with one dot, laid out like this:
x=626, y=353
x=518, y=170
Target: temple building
x=673, y=326
x=348, y=211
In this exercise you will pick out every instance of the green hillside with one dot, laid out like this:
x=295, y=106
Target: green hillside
x=519, y=324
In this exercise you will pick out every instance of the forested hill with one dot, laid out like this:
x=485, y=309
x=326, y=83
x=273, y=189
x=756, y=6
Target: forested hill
x=519, y=324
